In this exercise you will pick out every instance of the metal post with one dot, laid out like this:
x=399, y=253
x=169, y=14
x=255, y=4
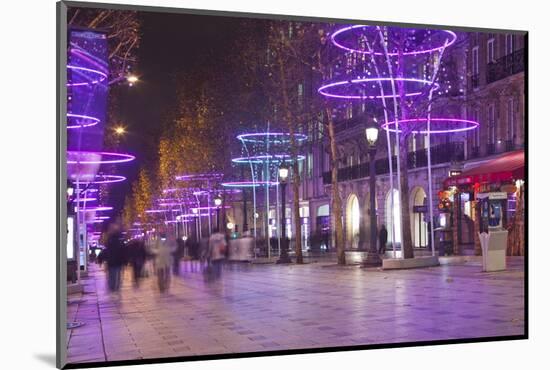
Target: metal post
x=373, y=259
x=283, y=257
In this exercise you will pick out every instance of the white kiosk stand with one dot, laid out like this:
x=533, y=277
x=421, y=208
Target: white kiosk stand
x=495, y=241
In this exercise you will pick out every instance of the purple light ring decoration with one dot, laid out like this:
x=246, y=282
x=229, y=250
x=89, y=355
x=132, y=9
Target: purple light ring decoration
x=248, y=184
x=104, y=179
x=471, y=125
x=414, y=52
x=322, y=89
x=200, y=177
x=92, y=121
x=102, y=76
x=157, y=210
x=86, y=199
x=264, y=158
x=94, y=209
x=212, y=207
x=123, y=157
x=250, y=137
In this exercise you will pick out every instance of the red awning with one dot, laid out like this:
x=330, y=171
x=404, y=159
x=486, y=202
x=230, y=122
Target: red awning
x=507, y=167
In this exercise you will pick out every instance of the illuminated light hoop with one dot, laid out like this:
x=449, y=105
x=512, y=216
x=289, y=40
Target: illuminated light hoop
x=200, y=177
x=469, y=125
x=104, y=179
x=115, y=157
x=264, y=158
x=248, y=184
x=102, y=217
x=342, y=31
x=95, y=221
x=252, y=137
x=91, y=121
x=157, y=210
x=95, y=209
x=86, y=199
x=211, y=208
x=102, y=76
x=323, y=89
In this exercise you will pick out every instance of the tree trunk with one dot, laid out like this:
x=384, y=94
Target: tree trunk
x=336, y=200
x=406, y=237
x=295, y=170
x=403, y=152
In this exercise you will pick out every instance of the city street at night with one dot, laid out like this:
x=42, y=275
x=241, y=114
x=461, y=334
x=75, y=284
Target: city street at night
x=271, y=307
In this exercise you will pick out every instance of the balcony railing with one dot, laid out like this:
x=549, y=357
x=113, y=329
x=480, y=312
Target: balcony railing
x=506, y=66
x=440, y=154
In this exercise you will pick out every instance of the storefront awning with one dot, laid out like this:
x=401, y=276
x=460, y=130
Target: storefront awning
x=507, y=167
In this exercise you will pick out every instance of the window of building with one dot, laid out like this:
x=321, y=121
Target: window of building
x=475, y=60
x=511, y=131
x=349, y=111
x=509, y=43
x=491, y=137
x=477, y=131
x=310, y=165
x=490, y=50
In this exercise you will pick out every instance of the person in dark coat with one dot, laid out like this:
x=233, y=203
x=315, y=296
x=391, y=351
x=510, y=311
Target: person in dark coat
x=114, y=256
x=382, y=239
x=137, y=256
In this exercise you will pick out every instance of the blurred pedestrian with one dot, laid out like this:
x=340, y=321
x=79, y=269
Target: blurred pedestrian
x=178, y=254
x=114, y=256
x=217, y=247
x=164, y=248
x=382, y=239
x=137, y=256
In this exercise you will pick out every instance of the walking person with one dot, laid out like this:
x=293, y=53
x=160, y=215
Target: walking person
x=137, y=257
x=217, y=247
x=382, y=239
x=114, y=256
x=164, y=247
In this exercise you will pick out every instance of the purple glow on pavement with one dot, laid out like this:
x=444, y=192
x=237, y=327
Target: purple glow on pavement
x=274, y=137
x=449, y=37
x=265, y=158
x=95, y=76
x=452, y=125
x=326, y=89
x=74, y=157
x=82, y=120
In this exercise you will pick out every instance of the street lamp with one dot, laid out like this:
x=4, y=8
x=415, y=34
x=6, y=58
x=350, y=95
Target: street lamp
x=132, y=79
x=120, y=130
x=283, y=176
x=371, y=132
x=218, y=203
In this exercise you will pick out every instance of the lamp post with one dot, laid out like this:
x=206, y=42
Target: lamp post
x=371, y=132
x=283, y=175
x=218, y=203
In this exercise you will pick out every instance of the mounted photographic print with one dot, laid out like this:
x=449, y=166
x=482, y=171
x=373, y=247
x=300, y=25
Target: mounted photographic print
x=237, y=185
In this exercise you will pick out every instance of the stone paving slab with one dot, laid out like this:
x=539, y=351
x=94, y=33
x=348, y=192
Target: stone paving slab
x=273, y=307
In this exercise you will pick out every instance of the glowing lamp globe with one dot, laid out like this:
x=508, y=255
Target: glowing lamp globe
x=372, y=133
x=283, y=173
x=217, y=201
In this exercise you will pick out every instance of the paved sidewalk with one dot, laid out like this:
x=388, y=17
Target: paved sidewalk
x=274, y=307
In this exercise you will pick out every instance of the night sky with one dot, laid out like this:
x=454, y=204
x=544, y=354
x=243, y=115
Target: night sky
x=171, y=44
